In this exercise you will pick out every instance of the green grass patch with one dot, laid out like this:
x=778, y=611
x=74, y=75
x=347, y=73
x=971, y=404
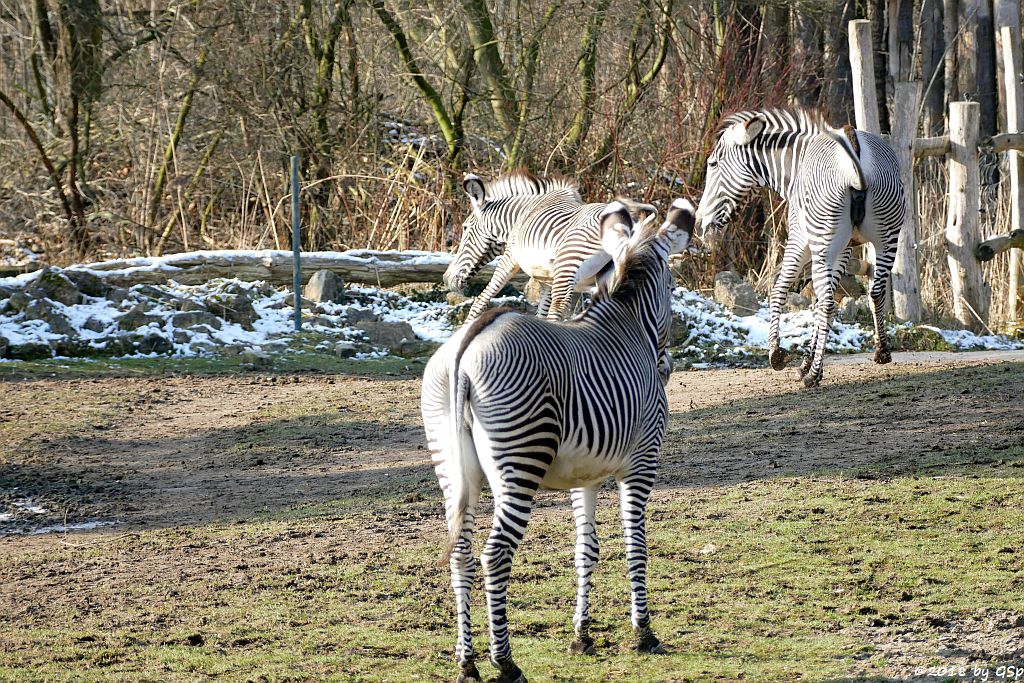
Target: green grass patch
x=766, y=580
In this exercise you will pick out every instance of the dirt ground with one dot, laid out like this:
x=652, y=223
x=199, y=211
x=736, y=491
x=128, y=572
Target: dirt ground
x=190, y=449
x=168, y=451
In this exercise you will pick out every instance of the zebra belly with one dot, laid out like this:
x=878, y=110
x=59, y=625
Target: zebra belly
x=537, y=263
x=575, y=468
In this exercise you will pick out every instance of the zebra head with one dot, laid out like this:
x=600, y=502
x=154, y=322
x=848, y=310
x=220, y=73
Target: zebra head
x=640, y=276
x=731, y=174
x=480, y=244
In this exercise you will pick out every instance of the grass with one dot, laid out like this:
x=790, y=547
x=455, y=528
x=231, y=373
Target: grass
x=768, y=580
x=800, y=573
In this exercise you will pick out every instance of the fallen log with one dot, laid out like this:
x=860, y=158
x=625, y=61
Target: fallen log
x=987, y=250
x=379, y=268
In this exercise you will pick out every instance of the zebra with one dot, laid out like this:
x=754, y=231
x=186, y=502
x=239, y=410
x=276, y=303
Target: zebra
x=538, y=225
x=843, y=187
x=525, y=403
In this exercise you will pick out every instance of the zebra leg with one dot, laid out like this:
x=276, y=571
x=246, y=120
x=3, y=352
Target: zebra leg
x=793, y=261
x=634, y=491
x=823, y=276
x=463, y=569
x=506, y=268
x=881, y=282
x=511, y=515
x=584, y=502
x=561, y=293
x=545, y=300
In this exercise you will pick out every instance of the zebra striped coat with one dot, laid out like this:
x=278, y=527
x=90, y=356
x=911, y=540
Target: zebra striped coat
x=843, y=187
x=539, y=226
x=523, y=403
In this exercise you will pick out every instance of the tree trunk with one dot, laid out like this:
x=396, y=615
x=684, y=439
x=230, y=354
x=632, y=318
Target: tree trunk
x=987, y=87
x=806, y=60
x=876, y=14
x=586, y=71
x=839, y=89
x=932, y=67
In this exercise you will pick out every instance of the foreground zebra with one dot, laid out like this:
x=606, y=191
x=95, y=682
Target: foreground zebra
x=524, y=403
x=843, y=187
x=538, y=225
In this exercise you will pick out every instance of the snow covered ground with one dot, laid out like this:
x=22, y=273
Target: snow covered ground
x=709, y=330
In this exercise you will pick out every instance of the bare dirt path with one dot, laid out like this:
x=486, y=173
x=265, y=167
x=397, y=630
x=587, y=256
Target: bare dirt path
x=165, y=451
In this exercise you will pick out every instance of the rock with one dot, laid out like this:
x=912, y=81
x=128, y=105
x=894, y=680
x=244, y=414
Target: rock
x=236, y=308
x=94, y=324
x=88, y=283
x=320, y=321
x=679, y=333
x=56, y=287
x=5, y=293
x=194, y=318
x=797, y=302
x=154, y=343
x=31, y=350
x=116, y=294
x=190, y=305
x=154, y=293
x=387, y=335
x=17, y=302
x=347, y=348
x=918, y=338
x=354, y=316
x=4, y=343
x=849, y=287
x=847, y=310
x=415, y=348
x=456, y=298
x=735, y=293
x=255, y=359
x=533, y=291
x=136, y=317
x=41, y=309
x=325, y=285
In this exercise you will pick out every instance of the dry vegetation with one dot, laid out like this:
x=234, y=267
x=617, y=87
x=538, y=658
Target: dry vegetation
x=133, y=127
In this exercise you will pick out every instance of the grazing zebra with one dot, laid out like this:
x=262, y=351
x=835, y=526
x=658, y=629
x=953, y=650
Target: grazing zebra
x=538, y=225
x=525, y=403
x=843, y=187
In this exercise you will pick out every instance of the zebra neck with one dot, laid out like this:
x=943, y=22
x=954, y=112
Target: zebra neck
x=778, y=164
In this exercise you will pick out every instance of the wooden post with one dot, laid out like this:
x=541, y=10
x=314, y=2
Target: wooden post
x=862, y=63
x=906, y=278
x=970, y=296
x=1014, y=99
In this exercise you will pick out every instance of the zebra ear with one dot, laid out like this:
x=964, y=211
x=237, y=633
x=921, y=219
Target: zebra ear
x=616, y=230
x=677, y=230
x=474, y=187
x=744, y=132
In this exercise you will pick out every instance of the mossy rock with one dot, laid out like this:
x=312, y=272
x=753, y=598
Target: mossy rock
x=918, y=338
x=457, y=314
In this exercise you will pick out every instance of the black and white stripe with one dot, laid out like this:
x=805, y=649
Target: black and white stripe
x=815, y=168
x=538, y=225
x=524, y=403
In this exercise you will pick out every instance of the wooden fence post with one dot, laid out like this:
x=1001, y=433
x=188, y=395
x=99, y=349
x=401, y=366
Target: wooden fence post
x=1011, y=54
x=970, y=296
x=862, y=64
x=906, y=278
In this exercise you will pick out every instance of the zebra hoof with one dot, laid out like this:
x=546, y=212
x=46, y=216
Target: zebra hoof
x=777, y=358
x=508, y=672
x=883, y=356
x=583, y=645
x=650, y=645
x=469, y=674
x=811, y=380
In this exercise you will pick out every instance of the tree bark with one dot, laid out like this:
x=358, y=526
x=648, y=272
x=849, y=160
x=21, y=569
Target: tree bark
x=877, y=16
x=932, y=67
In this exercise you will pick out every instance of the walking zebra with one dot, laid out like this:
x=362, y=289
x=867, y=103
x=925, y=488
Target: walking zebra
x=843, y=187
x=538, y=225
x=524, y=403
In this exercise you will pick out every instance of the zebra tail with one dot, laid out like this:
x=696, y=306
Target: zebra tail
x=459, y=463
x=857, y=179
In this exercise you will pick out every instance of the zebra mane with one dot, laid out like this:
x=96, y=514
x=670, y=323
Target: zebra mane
x=521, y=182
x=628, y=271
x=780, y=120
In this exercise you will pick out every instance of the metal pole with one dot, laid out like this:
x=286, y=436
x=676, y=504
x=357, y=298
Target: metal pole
x=296, y=246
